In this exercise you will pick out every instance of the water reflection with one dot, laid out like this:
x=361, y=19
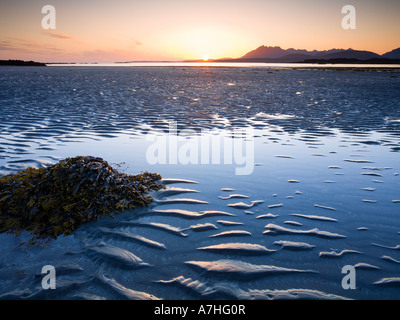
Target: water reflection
x=324, y=180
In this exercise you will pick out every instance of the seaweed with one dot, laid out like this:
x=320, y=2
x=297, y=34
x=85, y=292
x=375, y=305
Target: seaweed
x=57, y=200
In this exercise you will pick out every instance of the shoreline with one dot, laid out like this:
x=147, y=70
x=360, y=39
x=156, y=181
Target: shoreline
x=300, y=66
x=21, y=63
x=309, y=65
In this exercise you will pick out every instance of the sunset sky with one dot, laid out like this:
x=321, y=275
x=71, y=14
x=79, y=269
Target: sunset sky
x=133, y=30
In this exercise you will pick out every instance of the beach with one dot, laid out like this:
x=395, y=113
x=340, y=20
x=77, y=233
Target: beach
x=320, y=190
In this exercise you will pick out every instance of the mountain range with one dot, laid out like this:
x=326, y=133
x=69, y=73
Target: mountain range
x=277, y=54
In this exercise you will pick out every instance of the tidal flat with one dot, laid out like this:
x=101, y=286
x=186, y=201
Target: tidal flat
x=322, y=193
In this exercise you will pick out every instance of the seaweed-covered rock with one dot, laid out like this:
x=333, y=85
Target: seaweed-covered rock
x=58, y=199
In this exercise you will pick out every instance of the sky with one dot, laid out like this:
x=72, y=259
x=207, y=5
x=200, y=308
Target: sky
x=173, y=30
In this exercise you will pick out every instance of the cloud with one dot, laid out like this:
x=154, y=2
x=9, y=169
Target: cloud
x=26, y=46
x=47, y=50
x=58, y=35
x=7, y=45
x=100, y=55
x=136, y=42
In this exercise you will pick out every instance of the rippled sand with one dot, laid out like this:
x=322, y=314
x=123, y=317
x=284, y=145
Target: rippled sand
x=324, y=193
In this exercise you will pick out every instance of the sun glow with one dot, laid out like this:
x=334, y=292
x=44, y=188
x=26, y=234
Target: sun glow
x=204, y=43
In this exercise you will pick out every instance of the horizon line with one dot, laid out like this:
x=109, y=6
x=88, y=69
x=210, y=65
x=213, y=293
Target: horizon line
x=199, y=59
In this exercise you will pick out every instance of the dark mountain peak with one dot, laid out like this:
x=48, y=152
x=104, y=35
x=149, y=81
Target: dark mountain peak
x=277, y=54
x=263, y=51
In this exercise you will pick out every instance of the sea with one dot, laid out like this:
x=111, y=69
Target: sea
x=283, y=180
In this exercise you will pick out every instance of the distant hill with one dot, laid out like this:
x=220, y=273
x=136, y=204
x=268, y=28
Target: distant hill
x=277, y=54
x=353, y=61
x=264, y=52
x=394, y=54
x=21, y=63
x=351, y=54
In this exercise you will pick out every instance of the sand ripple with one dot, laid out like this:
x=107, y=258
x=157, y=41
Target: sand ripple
x=240, y=248
x=275, y=229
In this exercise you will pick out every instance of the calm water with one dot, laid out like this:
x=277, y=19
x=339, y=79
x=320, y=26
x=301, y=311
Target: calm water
x=227, y=64
x=325, y=179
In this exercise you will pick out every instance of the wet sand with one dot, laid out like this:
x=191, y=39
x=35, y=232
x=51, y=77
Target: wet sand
x=324, y=193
